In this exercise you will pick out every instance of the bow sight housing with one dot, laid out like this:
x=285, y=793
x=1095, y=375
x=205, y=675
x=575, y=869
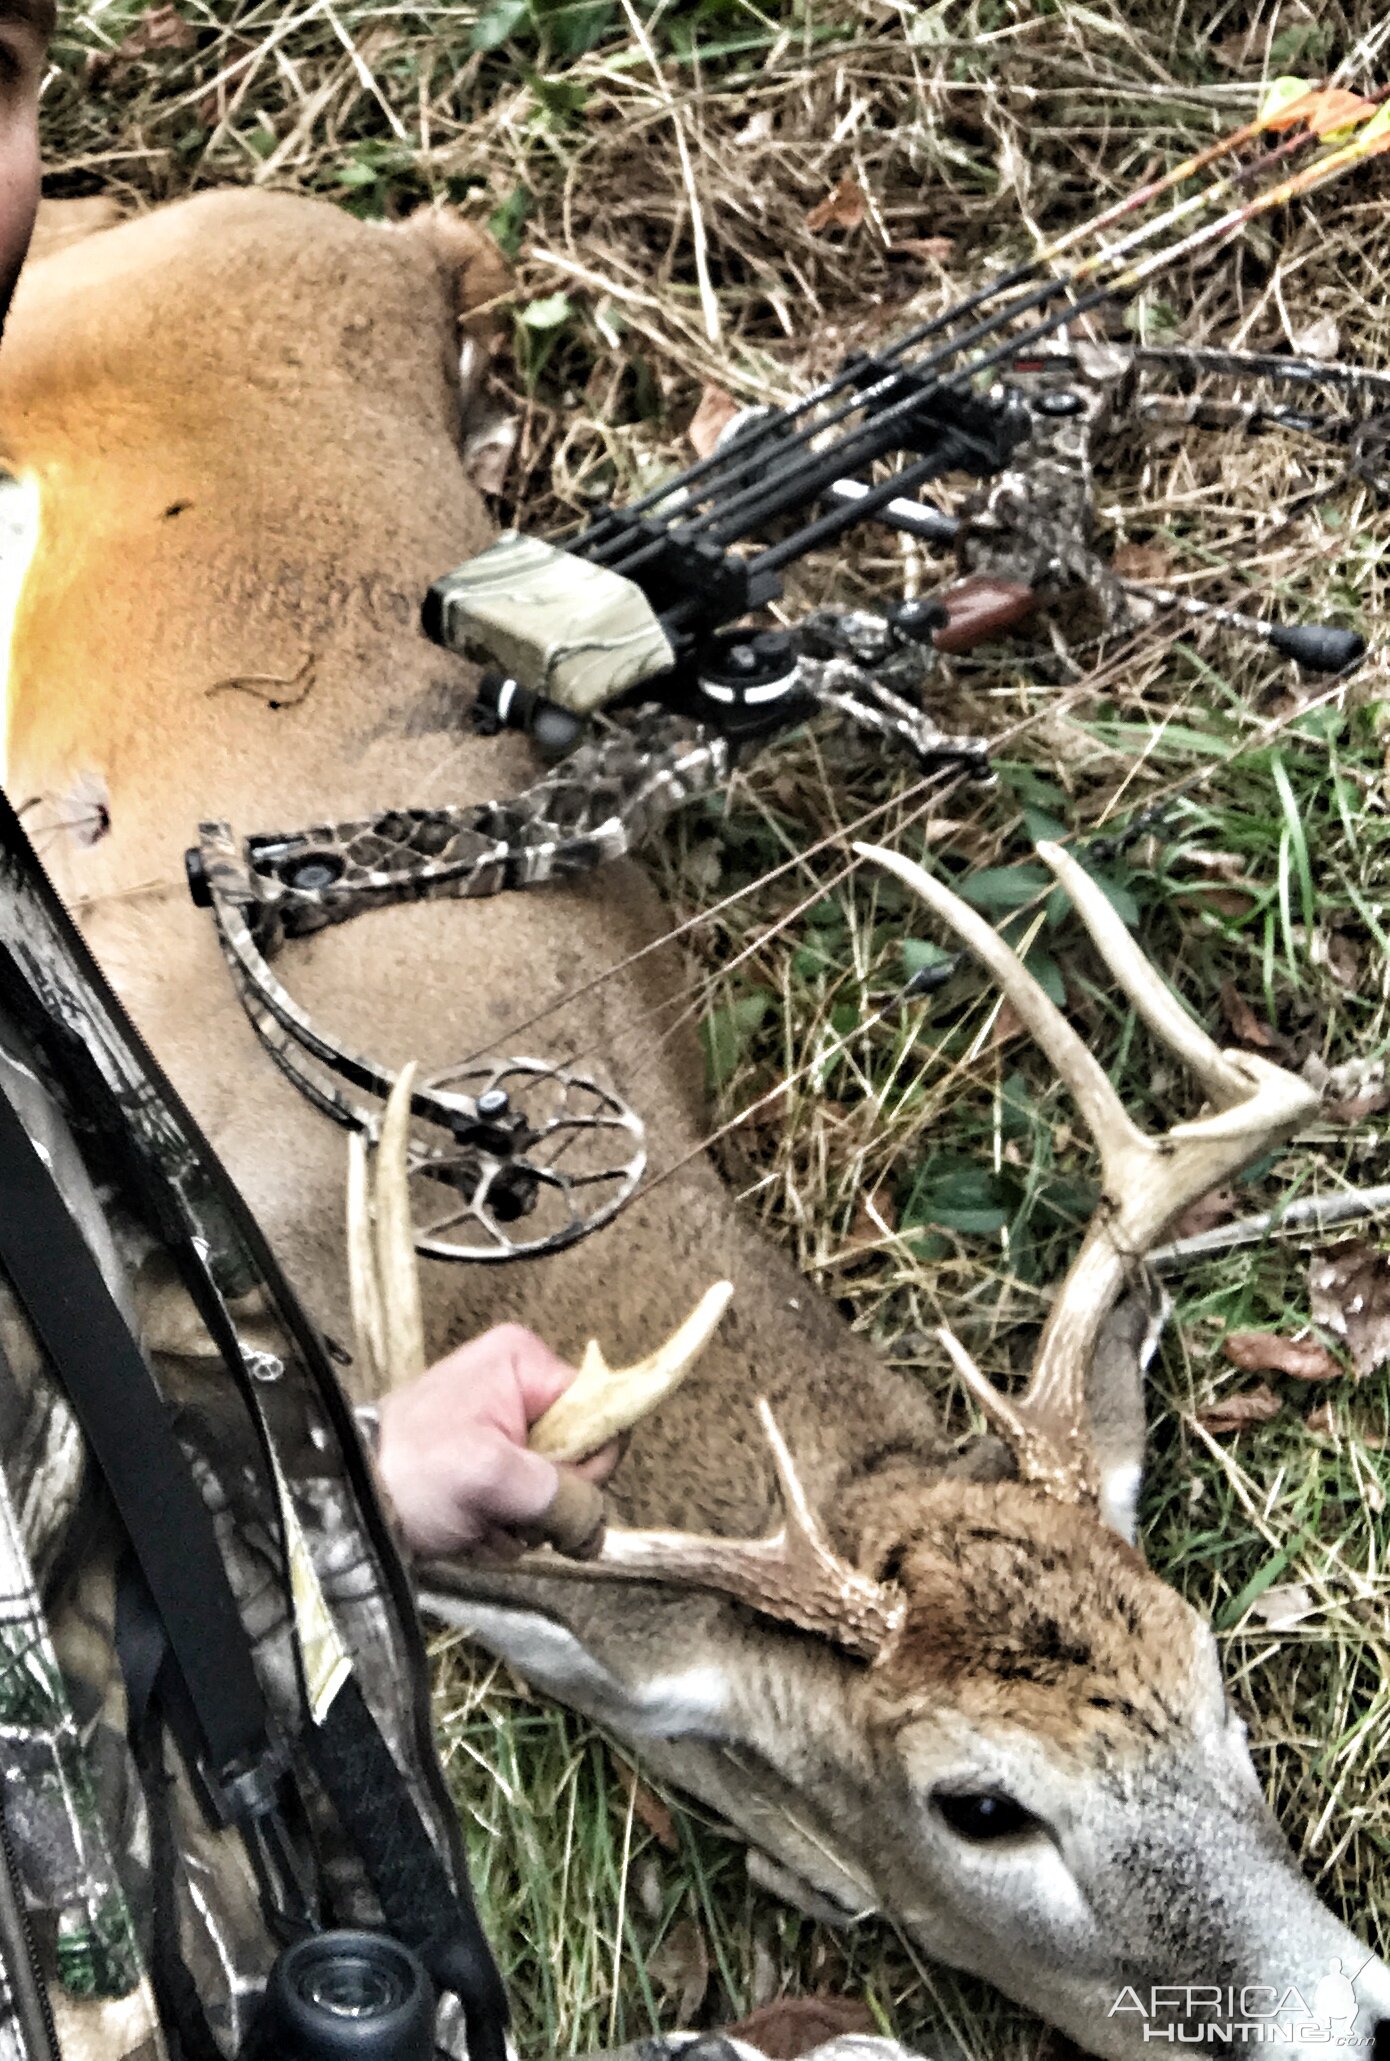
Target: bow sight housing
x=640, y=600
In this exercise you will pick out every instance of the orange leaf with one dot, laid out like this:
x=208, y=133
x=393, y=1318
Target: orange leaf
x=789, y=2027
x=1337, y=109
x=845, y=208
x=1265, y=1352
x=1331, y=108
x=714, y=414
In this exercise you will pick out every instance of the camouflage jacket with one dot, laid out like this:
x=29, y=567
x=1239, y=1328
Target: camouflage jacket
x=318, y=1585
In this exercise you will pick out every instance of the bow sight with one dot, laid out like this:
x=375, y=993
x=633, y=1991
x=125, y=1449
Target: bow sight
x=642, y=620
x=638, y=604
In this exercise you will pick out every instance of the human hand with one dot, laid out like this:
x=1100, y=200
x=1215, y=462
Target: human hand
x=452, y=1454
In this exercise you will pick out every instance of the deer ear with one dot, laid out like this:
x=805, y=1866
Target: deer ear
x=479, y=275
x=1115, y=1400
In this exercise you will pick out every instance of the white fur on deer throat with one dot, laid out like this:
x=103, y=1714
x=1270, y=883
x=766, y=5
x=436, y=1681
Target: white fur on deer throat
x=692, y=1705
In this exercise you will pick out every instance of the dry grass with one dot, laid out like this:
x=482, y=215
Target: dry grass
x=655, y=182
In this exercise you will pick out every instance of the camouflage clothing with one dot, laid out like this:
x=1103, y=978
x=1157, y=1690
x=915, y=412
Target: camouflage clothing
x=319, y=1588
x=98, y=1856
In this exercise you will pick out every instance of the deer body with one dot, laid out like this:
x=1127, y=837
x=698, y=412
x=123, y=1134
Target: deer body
x=241, y=419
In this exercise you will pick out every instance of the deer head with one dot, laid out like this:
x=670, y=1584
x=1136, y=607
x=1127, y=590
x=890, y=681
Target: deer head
x=990, y=1719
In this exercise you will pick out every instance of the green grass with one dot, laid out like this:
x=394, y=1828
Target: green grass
x=1266, y=877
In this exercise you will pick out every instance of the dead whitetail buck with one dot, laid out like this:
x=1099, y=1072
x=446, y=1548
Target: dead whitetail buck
x=1004, y=1731
x=1037, y=1776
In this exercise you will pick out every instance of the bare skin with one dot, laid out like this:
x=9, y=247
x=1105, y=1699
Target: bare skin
x=452, y=1456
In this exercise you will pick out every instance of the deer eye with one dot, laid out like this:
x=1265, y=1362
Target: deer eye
x=980, y=1817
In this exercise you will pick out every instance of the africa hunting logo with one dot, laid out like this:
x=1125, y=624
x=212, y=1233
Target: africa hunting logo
x=1210, y=2014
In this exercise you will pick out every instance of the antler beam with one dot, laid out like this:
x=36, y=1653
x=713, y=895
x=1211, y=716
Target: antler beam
x=1147, y=1181
x=794, y=1575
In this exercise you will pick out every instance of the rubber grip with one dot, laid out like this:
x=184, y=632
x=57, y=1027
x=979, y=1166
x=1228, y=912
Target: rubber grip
x=1318, y=647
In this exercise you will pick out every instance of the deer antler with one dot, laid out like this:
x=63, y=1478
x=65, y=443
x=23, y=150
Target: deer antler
x=602, y=1401
x=383, y=1272
x=1147, y=1181
x=793, y=1575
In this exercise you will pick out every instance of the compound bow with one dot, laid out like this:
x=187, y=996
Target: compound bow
x=628, y=655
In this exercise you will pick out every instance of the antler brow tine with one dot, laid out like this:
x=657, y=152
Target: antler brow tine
x=603, y=1401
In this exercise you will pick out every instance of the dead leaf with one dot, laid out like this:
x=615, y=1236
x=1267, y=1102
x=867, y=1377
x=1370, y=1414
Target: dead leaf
x=871, y=1214
x=1246, y=1027
x=845, y=208
x=1321, y=339
x=1007, y=1025
x=1142, y=562
x=1321, y=1421
x=789, y=2027
x=158, y=30
x=1217, y=1207
x=1266, y=1352
x=1229, y=901
x=714, y=414
x=1350, y=1294
x=1338, y=953
x=1227, y=866
x=1285, y=1606
x=1233, y=51
x=1359, y=1108
x=925, y=250
x=1353, y=1091
x=1232, y=1413
x=680, y=1967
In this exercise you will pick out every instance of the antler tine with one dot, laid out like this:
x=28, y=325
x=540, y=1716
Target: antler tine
x=603, y=1401
x=398, y=1268
x=364, y=1288
x=1100, y=1107
x=1221, y=1074
x=1147, y=1181
x=794, y=1575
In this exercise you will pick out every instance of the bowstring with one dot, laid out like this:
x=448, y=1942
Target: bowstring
x=939, y=786
x=1170, y=792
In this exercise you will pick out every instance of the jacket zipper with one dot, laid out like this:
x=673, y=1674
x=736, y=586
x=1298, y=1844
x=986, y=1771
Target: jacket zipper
x=28, y=1989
